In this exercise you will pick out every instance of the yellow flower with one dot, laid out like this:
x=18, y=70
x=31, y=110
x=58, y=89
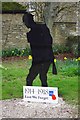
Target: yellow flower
x=78, y=58
x=12, y=51
x=23, y=51
x=65, y=58
x=55, y=60
x=30, y=57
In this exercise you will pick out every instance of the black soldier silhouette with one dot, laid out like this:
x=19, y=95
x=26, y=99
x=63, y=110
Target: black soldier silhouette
x=41, y=47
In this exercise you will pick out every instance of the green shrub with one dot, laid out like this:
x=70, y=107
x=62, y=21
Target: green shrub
x=58, y=48
x=12, y=6
x=75, y=49
x=70, y=67
x=73, y=43
x=16, y=52
x=25, y=52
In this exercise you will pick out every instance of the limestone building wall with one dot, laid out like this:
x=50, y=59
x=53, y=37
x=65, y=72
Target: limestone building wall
x=13, y=31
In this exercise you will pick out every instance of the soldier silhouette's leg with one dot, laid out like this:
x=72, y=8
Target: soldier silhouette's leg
x=43, y=73
x=33, y=72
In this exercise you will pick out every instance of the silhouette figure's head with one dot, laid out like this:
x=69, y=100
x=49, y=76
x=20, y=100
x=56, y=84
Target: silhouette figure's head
x=28, y=19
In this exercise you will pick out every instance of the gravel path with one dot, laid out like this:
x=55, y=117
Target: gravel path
x=18, y=108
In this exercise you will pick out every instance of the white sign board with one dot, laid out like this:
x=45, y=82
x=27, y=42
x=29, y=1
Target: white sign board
x=40, y=94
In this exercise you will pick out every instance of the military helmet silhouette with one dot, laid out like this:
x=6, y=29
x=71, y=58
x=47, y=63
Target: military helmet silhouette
x=28, y=18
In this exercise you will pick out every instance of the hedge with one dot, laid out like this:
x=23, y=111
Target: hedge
x=6, y=6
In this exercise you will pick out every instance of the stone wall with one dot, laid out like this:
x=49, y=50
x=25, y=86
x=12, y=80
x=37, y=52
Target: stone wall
x=13, y=31
x=61, y=32
x=66, y=16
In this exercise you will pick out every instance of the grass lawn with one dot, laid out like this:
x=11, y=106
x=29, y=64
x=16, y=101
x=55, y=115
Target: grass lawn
x=15, y=72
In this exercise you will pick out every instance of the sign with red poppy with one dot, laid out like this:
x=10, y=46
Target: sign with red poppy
x=40, y=94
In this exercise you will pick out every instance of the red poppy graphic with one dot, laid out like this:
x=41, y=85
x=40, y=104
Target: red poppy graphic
x=53, y=97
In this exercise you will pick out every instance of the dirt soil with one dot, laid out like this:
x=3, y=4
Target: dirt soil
x=18, y=108
x=59, y=57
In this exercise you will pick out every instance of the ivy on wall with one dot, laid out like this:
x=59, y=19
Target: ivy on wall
x=6, y=6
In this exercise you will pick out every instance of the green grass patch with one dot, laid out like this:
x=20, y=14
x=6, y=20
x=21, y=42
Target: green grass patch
x=14, y=78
